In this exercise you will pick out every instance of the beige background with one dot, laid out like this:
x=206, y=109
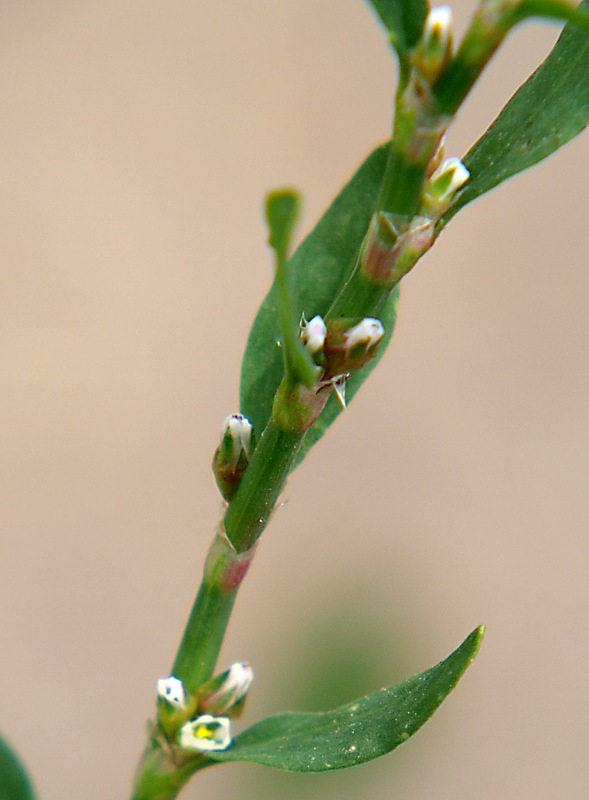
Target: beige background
x=137, y=140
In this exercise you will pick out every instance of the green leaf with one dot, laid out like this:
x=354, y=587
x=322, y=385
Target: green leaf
x=544, y=114
x=14, y=782
x=403, y=20
x=355, y=733
x=316, y=270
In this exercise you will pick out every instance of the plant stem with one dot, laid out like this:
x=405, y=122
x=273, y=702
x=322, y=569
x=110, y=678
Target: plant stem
x=273, y=458
x=160, y=776
x=401, y=184
x=478, y=46
x=232, y=551
x=204, y=633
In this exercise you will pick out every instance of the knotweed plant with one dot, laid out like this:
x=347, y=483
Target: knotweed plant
x=322, y=328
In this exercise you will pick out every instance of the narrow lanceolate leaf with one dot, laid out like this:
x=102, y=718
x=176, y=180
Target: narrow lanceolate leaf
x=282, y=212
x=544, y=114
x=403, y=20
x=317, y=270
x=14, y=782
x=355, y=733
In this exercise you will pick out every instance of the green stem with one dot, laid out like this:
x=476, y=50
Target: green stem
x=203, y=636
x=162, y=773
x=250, y=509
x=457, y=80
x=164, y=770
x=418, y=128
x=491, y=23
x=401, y=185
x=231, y=553
x=159, y=778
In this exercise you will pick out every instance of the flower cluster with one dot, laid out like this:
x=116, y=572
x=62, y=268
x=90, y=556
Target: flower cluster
x=340, y=347
x=201, y=723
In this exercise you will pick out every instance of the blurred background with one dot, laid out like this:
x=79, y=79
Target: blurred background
x=137, y=141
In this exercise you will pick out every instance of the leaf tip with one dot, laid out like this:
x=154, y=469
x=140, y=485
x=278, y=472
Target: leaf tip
x=282, y=211
x=476, y=640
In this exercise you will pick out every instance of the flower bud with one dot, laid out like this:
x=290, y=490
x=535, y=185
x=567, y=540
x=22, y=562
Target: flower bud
x=434, y=49
x=174, y=707
x=172, y=691
x=226, y=693
x=233, y=454
x=313, y=336
x=349, y=346
x=367, y=334
x=205, y=734
x=441, y=189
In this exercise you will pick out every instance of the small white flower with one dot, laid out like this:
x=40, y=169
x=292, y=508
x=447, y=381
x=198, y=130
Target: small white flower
x=205, y=734
x=313, y=334
x=239, y=429
x=443, y=185
x=172, y=691
x=434, y=49
x=438, y=24
x=233, y=686
x=454, y=174
x=368, y=333
x=239, y=679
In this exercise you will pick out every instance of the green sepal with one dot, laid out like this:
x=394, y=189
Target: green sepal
x=171, y=718
x=233, y=455
x=339, y=356
x=14, y=781
x=355, y=733
x=228, y=478
x=318, y=269
x=546, y=112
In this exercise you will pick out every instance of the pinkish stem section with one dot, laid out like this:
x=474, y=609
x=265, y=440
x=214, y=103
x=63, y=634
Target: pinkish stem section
x=225, y=568
x=235, y=570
